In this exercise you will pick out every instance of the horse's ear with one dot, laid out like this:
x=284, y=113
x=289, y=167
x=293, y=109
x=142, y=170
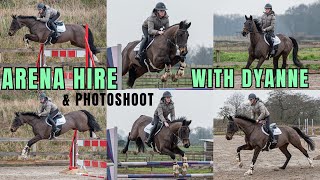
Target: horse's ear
x=17, y=114
x=230, y=118
x=189, y=24
x=14, y=16
x=181, y=25
x=189, y=122
x=250, y=17
x=246, y=17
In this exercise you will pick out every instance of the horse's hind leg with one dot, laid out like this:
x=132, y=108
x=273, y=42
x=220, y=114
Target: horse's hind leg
x=285, y=151
x=132, y=77
x=284, y=61
x=125, y=149
x=297, y=144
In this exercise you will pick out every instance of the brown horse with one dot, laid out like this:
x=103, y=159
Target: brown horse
x=259, y=49
x=39, y=32
x=166, y=141
x=161, y=54
x=255, y=139
x=77, y=120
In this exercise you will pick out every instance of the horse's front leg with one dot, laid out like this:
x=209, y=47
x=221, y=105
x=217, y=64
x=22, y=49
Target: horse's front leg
x=243, y=147
x=31, y=37
x=175, y=167
x=167, y=73
x=185, y=164
x=254, y=159
x=26, y=149
x=180, y=71
x=250, y=61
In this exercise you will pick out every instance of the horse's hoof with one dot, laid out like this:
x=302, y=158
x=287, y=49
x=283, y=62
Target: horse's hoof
x=249, y=172
x=281, y=167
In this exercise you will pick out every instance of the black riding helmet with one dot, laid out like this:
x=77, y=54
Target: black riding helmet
x=40, y=6
x=268, y=6
x=252, y=96
x=160, y=6
x=166, y=94
x=43, y=96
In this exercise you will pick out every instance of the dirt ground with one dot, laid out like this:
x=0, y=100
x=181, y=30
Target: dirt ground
x=266, y=167
x=43, y=172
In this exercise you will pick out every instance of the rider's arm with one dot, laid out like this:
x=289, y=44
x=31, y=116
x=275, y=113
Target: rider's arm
x=173, y=114
x=47, y=16
x=151, y=29
x=273, y=22
x=45, y=111
x=263, y=112
x=160, y=113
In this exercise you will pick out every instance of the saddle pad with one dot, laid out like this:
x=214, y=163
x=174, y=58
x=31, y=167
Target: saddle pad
x=60, y=27
x=137, y=47
x=147, y=129
x=59, y=121
x=276, y=131
x=276, y=40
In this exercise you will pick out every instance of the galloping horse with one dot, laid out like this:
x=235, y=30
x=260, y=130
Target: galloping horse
x=255, y=139
x=162, y=53
x=76, y=120
x=39, y=32
x=259, y=49
x=166, y=141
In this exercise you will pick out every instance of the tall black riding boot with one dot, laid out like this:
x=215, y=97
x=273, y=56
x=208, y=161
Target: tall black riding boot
x=152, y=132
x=53, y=129
x=273, y=140
x=141, y=48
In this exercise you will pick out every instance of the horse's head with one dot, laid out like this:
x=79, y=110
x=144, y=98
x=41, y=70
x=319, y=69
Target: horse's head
x=232, y=128
x=20, y=119
x=248, y=26
x=184, y=132
x=15, y=25
x=182, y=36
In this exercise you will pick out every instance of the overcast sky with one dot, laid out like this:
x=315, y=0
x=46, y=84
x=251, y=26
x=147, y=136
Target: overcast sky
x=195, y=105
x=125, y=18
x=255, y=7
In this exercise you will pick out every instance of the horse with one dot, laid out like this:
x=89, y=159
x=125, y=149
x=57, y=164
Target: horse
x=39, y=32
x=161, y=54
x=255, y=139
x=166, y=141
x=259, y=49
x=76, y=120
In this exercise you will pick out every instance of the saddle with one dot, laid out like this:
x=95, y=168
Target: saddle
x=59, y=120
x=60, y=26
x=276, y=132
x=147, y=129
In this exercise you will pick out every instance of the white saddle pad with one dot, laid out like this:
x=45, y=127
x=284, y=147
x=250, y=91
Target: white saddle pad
x=147, y=129
x=60, y=28
x=276, y=131
x=137, y=47
x=60, y=121
x=276, y=40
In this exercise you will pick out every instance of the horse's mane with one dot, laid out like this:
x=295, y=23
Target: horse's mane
x=246, y=118
x=29, y=113
x=26, y=17
x=179, y=119
x=258, y=25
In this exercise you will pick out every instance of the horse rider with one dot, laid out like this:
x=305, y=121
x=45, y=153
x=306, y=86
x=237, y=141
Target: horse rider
x=153, y=26
x=49, y=110
x=259, y=109
x=50, y=15
x=268, y=21
x=165, y=107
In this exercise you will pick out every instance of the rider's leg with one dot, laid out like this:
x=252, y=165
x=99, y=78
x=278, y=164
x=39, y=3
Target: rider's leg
x=156, y=120
x=143, y=43
x=273, y=140
x=53, y=26
x=271, y=49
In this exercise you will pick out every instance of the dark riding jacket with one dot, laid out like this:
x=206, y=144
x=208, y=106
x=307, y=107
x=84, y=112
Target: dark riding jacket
x=268, y=21
x=259, y=109
x=154, y=23
x=163, y=110
x=47, y=108
x=47, y=14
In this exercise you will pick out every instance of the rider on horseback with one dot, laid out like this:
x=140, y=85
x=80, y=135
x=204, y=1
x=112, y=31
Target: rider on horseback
x=268, y=20
x=258, y=108
x=50, y=15
x=165, y=108
x=49, y=110
x=152, y=26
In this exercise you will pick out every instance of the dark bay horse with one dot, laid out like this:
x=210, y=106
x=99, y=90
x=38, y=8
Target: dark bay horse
x=81, y=120
x=39, y=32
x=259, y=49
x=161, y=54
x=255, y=139
x=166, y=141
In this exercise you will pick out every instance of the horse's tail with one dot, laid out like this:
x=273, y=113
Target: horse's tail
x=140, y=145
x=310, y=142
x=92, y=123
x=295, y=53
x=93, y=48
